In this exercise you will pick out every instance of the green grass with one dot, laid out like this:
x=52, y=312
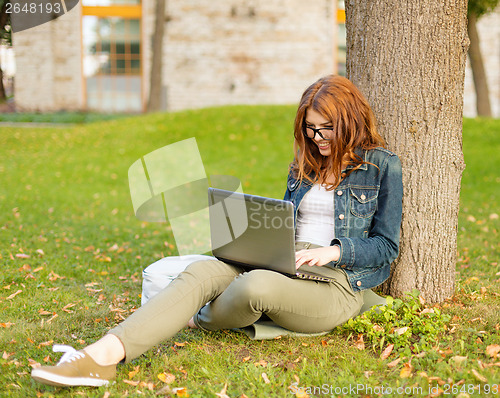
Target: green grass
x=73, y=252
x=57, y=117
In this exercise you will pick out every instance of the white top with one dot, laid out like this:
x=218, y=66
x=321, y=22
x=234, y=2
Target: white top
x=316, y=217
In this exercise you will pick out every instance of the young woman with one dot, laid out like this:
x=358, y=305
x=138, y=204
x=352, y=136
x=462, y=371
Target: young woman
x=347, y=192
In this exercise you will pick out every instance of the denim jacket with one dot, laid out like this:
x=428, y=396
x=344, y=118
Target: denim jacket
x=368, y=207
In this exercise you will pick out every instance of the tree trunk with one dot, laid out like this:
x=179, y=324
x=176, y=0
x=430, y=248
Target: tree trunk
x=408, y=57
x=156, y=77
x=483, y=106
x=3, y=95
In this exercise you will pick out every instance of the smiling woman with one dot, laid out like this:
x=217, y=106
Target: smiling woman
x=351, y=187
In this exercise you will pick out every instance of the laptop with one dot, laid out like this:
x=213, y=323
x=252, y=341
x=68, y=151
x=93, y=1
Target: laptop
x=255, y=232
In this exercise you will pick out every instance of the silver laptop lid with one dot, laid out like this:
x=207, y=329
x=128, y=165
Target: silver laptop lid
x=252, y=231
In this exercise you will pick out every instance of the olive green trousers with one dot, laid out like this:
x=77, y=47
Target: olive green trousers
x=223, y=296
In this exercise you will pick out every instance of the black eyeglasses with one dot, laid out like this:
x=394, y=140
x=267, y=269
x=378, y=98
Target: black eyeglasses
x=310, y=132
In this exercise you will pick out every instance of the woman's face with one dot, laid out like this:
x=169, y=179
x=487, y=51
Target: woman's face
x=315, y=120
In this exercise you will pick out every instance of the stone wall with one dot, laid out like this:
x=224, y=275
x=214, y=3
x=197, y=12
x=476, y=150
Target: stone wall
x=242, y=52
x=489, y=33
x=48, y=65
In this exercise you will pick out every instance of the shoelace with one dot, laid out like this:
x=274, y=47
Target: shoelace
x=70, y=354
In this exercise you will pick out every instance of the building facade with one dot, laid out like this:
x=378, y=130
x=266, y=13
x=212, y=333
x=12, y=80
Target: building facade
x=97, y=56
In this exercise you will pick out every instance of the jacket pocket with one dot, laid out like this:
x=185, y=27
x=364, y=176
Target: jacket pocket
x=363, y=202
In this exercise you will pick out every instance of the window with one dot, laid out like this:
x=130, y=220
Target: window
x=112, y=65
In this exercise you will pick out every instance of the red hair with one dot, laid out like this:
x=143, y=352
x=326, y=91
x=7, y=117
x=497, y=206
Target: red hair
x=338, y=100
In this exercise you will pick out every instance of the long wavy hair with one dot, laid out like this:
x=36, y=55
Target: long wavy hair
x=338, y=100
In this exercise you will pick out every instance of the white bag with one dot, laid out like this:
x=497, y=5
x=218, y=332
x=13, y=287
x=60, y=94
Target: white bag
x=159, y=274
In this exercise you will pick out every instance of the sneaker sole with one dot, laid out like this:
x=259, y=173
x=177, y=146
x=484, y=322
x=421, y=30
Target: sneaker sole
x=56, y=380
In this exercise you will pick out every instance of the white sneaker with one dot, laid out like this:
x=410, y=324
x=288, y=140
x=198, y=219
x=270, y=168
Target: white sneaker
x=75, y=368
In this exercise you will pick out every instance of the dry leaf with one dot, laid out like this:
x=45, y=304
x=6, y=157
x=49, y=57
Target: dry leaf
x=360, y=342
x=385, y=354
x=400, y=331
x=457, y=359
x=132, y=383
x=479, y=376
x=261, y=363
x=166, y=377
x=181, y=392
x=493, y=350
x=393, y=363
x=6, y=325
x=132, y=373
x=14, y=295
x=378, y=328
x=266, y=379
x=222, y=393
x=406, y=371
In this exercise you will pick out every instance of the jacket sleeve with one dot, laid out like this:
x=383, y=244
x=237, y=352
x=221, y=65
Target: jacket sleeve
x=381, y=247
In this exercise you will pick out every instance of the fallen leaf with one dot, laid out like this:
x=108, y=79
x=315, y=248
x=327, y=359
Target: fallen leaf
x=457, y=359
x=479, y=376
x=393, y=363
x=493, y=350
x=14, y=295
x=132, y=373
x=400, y=331
x=181, y=391
x=6, y=325
x=378, y=328
x=41, y=311
x=360, y=342
x=261, y=363
x=166, y=377
x=222, y=393
x=22, y=255
x=266, y=379
x=132, y=383
x=406, y=371
x=385, y=354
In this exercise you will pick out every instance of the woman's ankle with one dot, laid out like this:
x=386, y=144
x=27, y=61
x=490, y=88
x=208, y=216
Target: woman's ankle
x=107, y=351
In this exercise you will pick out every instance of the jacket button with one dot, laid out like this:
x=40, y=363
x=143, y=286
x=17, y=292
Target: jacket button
x=358, y=283
x=343, y=266
x=363, y=197
x=341, y=216
x=339, y=193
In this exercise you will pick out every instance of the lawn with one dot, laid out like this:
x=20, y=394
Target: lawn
x=72, y=253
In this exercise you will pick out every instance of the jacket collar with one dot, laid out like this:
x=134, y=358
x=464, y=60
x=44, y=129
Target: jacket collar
x=362, y=154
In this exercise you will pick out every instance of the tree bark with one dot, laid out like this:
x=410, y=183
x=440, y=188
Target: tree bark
x=3, y=95
x=156, y=77
x=408, y=58
x=483, y=106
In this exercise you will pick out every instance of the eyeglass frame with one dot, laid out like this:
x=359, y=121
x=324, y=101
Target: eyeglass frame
x=316, y=131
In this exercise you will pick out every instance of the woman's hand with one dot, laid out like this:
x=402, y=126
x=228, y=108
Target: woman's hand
x=319, y=256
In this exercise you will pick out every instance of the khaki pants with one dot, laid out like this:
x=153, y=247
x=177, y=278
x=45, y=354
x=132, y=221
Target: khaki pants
x=237, y=298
